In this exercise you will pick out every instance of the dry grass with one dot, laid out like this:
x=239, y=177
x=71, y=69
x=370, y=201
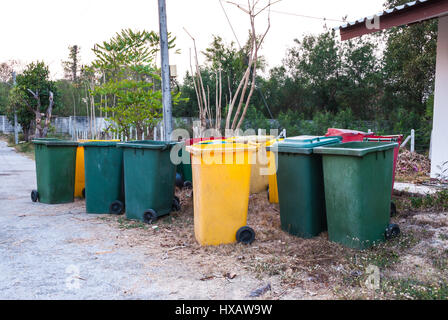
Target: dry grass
x=317, y=266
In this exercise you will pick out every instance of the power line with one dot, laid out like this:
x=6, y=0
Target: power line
x=301, y=15
x=230, y=24
x=258, y=89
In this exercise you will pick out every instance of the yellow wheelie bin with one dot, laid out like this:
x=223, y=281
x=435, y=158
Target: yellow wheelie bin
x=80, y=180
x=221, y=182
x=259, y=180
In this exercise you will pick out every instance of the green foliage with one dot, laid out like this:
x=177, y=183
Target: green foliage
x=4, y=93
x=130, y=88
x=255, y=119
x=437, y=201
x=418, y=290
x=35, y=77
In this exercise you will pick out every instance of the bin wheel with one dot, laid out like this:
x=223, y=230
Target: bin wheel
x=83, y=192
x=34, y=196
x=149, y=216
x=245, y=235
x=116, y=207
x=176, y=204
x=179, y=180
x=267, y=190
x=188, y=184
x=393, y=209
x=392, y=231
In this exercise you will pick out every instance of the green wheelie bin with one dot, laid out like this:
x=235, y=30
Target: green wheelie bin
x=149, y=179
x=358, y=184
x=104, y=190
x=300, y=184
x=55, y=170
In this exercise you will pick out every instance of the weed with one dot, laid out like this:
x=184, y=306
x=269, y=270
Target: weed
x=416, y=290
x=130, y=224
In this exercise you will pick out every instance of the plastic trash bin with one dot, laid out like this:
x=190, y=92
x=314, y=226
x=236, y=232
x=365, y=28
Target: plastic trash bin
x=80, y=181
x=221, y=182
x=104, y=189
x=301, y=185
x=55, y=170
x=358, y=183
x=259, y=181
x=149, y=179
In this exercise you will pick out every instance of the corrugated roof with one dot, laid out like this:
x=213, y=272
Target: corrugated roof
x=385, y=12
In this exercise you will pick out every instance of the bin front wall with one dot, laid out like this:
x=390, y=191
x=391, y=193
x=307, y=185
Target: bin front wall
x=149, y=178
x=301, y=194
x=221, y=199
x=104, y=177
x=357, y=193
x=272, y=178
x=55, y=173
x=79, y=173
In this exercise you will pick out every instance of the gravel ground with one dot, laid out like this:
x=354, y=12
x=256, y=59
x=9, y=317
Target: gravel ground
x=60, y=252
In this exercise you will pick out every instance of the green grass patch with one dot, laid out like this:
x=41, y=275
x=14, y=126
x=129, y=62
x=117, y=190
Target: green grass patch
x=436, y=202
x=411, y=289
x=124, y=223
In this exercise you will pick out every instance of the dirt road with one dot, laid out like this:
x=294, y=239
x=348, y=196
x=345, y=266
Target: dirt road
x=60, y=252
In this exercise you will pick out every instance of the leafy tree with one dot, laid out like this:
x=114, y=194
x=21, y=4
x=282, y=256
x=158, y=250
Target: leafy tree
x=31, y=97
x=4, y=93
x=72, y=66
x=129, y=90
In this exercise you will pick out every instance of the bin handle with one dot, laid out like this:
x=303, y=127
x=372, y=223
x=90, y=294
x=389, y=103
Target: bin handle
x=391, y=139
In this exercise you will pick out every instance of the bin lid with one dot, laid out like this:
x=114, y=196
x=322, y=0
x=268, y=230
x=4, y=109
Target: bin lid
x=189, y=142
x=303, y=144
x=54, y=142
x=99, y=143
x=346, y=132
x=253, y=138
x=355, y=149
x=148, y=144
x=222, y=146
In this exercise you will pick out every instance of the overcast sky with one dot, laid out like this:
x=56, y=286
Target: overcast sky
x=42, y=30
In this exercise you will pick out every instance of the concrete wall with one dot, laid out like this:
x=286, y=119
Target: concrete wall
x=439, y=138
x=6, y=126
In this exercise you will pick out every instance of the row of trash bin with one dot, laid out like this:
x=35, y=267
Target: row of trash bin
x=321, y=183
x=136, y=177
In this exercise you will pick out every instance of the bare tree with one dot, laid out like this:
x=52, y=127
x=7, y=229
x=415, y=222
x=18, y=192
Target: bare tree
x=41, y=132
x=243, y=94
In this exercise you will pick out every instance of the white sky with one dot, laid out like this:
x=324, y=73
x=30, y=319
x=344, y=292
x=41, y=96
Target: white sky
x=33, y=30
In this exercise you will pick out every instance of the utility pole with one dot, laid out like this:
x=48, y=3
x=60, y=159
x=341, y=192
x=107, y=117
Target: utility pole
x=16, y=129
x=166, y=92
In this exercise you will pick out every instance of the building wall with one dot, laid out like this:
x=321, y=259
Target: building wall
x=439, y=140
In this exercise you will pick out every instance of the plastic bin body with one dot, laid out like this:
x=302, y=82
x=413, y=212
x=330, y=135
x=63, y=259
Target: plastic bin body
x=103, y=175
x=149, y=177
x=259, y=180
x=221, y=183
x=391, y=138
x=55, y=170
x=358, y=183
x=300, y=185
x=80, y=180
